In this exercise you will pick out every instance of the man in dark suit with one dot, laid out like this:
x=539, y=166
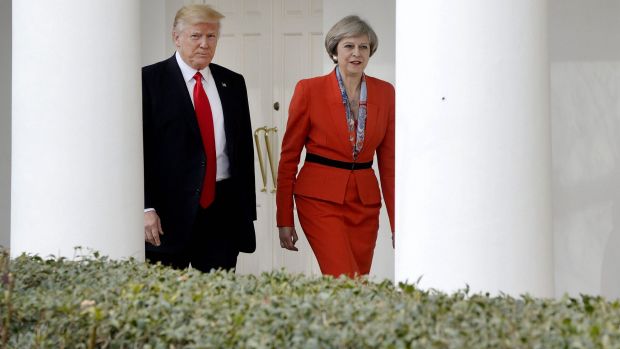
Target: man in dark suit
x=200, y=201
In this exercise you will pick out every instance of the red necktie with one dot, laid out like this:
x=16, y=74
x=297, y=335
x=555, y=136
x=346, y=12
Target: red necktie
x=205, y=122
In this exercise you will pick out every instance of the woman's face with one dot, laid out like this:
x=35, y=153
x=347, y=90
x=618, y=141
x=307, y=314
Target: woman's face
x=353, y=55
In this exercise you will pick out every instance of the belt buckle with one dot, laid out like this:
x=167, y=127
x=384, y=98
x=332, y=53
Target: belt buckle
x=353, y=166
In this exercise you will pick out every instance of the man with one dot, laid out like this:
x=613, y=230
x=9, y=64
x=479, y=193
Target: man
x=200, y=202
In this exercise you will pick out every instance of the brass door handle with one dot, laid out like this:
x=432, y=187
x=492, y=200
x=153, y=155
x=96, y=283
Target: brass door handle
x=260, y=156
x=270, y=156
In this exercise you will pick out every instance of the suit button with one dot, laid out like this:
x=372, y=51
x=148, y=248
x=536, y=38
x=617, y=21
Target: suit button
x=202, y=163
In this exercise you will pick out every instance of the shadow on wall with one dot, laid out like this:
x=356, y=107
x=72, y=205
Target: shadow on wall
x=5, y=121
x=610, y=282
x=585, y=111
x=610, y=278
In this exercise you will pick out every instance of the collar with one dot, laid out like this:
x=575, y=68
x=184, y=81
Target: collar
x=189, y=72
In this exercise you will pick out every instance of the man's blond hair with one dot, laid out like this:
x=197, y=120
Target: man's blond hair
x=194, y=14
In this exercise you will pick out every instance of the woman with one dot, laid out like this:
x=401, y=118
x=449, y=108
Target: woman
x=341, y=119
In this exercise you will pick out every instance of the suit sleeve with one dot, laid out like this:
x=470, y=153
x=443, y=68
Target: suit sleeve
x=248, y=156
x=146, y=143
x=385, y=158
x=297, y=128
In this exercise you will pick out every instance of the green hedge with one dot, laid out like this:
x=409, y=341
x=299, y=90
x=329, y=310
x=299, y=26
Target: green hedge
x=98, y=303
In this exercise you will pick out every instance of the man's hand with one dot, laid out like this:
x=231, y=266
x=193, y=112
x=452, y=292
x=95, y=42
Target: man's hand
x=152, y=228
x=288, y=238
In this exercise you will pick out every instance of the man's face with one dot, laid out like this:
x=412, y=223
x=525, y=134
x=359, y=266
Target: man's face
x=196, y=44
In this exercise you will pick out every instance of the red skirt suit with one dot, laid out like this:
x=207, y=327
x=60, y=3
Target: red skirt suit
x=338, y=208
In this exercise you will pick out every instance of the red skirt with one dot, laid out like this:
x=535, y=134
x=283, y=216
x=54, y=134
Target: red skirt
x=342, y=236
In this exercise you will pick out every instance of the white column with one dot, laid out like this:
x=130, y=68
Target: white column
x=473, y=146
x=77, y=176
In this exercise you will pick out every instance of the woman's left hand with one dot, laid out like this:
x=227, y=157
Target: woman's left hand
x=288, y=238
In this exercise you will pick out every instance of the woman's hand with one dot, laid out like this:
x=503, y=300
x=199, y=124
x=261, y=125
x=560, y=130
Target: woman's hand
x=288, y=238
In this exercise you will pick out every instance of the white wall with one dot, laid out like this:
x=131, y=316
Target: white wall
x=585, y=112
x=156, y=28
x=381, y=16
x=5, y=122
x=584, y=30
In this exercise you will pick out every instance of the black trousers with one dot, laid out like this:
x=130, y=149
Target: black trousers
x=213, y=238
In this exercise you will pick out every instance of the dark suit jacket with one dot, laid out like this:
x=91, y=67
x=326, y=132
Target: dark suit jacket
x=174, y=158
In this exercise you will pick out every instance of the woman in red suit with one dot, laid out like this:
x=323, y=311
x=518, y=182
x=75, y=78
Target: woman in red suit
x=342, y=119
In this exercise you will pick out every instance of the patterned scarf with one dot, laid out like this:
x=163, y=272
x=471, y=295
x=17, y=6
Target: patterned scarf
x=356, y=128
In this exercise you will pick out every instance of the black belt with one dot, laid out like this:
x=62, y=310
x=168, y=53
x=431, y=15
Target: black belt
x=339, y=164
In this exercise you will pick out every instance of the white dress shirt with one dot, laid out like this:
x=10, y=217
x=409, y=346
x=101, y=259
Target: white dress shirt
x=208, y=84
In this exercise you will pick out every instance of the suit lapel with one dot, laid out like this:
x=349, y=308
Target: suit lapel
x=179, y=88
x=371, y=112
x=337, y=111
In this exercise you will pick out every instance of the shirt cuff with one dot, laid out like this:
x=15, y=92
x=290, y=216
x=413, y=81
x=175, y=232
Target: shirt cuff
x=148, y=210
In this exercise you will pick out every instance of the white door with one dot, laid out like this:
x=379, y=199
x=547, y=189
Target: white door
x=245, y=47
x=297, y=53
x=274, y=44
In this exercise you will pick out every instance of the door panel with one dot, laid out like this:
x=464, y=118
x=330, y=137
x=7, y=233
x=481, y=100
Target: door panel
x=296, y=25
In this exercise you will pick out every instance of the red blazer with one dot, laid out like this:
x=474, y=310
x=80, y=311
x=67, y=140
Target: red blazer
x=317, y=121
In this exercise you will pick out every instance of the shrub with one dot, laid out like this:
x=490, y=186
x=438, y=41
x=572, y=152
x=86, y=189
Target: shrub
x=96, y=302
